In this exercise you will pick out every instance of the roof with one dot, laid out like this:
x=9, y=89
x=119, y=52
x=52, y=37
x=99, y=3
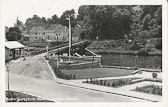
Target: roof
x=45, y=26
x=13, y=45
x=53, y=27
x=61, y=28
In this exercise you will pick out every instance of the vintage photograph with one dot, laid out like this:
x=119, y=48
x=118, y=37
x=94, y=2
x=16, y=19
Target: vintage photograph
x=72, y=52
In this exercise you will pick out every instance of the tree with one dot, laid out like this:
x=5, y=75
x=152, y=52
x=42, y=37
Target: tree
x=55, y=19
x=68, y=14
x=143, y=37
x=13, y=34
x=43, y=19
x=106, y=22
x=49, y=20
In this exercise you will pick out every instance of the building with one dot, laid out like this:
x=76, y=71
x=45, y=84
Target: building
x=76, y=32
x=48, y=33
x=13, y=50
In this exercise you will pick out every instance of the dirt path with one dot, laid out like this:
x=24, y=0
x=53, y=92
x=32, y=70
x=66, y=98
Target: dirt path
x=33, y=67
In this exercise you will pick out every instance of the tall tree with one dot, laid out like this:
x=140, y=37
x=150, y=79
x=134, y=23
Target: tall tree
x=43, y=19
x=55, y=19
x=14, y=34
x=68, y=14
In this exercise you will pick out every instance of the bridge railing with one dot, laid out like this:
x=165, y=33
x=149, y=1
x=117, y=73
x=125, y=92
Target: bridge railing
x=52, y=48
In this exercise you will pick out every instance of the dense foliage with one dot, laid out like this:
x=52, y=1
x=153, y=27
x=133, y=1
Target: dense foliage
x=117, y=22
x=13, y=34
x=36, y=20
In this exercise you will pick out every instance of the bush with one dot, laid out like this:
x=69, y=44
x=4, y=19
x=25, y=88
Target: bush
x=154, y=75
x=47, y=57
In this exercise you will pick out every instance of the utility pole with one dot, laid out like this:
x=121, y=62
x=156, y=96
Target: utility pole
x=93, y=62
x=8, y=67
x=69, y=38
x=57, y=54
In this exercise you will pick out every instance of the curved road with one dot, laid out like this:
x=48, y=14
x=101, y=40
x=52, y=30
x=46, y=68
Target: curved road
x=58, y=92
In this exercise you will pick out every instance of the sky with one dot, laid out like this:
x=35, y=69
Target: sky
x=24, y=9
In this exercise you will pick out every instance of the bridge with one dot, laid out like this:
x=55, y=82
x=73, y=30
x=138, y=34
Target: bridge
x=78, y=47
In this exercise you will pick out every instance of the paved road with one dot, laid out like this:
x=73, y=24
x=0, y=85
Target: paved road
x=58, y=92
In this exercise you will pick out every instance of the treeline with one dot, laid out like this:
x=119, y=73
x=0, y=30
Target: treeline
x=117, y=22
x=36, y=20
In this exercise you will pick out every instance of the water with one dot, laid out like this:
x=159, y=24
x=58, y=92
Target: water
x=131, y=60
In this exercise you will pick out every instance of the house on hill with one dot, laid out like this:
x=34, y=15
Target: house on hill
x=49, y=33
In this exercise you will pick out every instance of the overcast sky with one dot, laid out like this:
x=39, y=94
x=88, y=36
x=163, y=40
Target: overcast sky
x=23, y=9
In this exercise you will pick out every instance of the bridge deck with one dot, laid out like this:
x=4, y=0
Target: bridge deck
x=67, y=46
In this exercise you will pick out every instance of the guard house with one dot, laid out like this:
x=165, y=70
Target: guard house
x=13, y=50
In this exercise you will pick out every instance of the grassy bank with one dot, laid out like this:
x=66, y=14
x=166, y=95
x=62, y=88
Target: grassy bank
x=119, y=47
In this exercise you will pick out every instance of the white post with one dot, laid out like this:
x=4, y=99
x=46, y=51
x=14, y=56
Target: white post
x=47, y=49
x=69, y=39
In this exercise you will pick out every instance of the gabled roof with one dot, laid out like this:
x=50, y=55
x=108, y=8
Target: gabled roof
x=61, y=28
x=53, y=27
x=13, y=45
x=45, y=26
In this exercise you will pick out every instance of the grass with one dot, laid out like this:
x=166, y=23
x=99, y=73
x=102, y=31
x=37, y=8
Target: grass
x=13, y=96
x=97, y=72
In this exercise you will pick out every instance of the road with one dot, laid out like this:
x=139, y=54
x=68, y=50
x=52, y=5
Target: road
x=62, y=93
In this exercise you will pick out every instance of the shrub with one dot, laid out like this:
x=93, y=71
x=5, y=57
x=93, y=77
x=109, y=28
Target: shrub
x=113, y=85
x=101, y=82
x=154, y=75
x=108, y=84
x=74, y=76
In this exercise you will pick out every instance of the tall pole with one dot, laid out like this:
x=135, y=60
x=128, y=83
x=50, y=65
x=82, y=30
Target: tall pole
x=69, y=39
x=57, y=46
x=93, y=62
x=57, y=54
x=7, y=67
